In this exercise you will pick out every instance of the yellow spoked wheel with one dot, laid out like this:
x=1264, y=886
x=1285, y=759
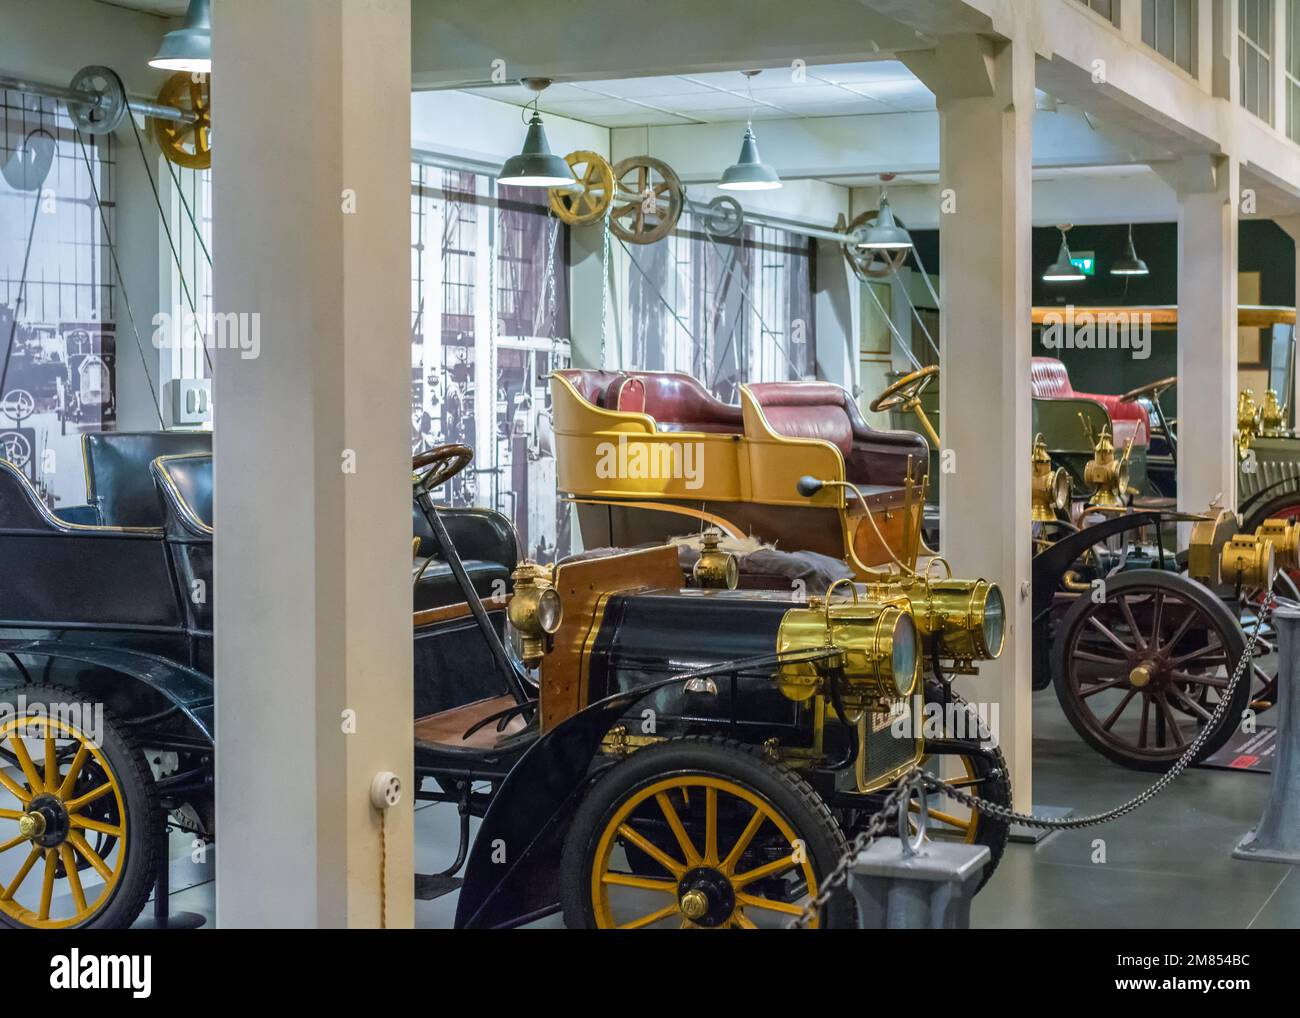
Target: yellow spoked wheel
x=699, y=834
x=67, y=837
x=187, y=144
x=588, y=205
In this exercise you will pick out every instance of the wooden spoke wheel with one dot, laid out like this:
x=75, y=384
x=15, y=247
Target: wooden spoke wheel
x=187, y=144
x=700, y=834
x=868, y=263
x=588, y=205
x=649, y=200
x=1141, y=672
x=79, y=817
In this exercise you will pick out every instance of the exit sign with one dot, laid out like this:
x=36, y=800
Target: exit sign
x=1084, y=261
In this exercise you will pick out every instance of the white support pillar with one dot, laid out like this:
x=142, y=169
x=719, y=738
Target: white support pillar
x=1207, y=190
x=313, y=596
x=985, y=94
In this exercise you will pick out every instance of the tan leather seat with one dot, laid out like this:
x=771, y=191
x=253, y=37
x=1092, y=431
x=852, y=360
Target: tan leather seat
x=448, y=727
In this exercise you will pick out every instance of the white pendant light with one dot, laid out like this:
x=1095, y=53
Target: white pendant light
x=1063, y=270
x=749, y=172
x=885, y=234
x=188, y=48
x=536, y=165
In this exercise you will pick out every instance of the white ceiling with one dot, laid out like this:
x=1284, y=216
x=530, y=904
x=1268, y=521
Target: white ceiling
x=828, y=90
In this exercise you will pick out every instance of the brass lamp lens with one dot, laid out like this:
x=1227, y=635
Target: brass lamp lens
x=995, y=620
x=904, y=642
x=549, y=611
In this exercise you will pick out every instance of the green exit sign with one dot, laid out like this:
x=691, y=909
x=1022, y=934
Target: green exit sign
x=1084, y=261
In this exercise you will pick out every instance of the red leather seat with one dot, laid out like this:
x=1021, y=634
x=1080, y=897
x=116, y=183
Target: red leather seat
x=1051, y=380
x=826, y=411
x=677, y=402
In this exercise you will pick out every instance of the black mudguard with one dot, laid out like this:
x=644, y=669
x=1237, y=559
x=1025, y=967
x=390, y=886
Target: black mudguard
x=513, y=871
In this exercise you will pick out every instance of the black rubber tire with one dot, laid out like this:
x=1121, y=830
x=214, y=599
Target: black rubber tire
x=143, y=812
x=1209, y=605
x=746, y=765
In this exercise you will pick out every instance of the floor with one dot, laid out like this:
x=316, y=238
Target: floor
x=1167, y=865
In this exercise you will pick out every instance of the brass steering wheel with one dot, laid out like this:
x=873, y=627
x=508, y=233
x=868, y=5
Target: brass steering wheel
x=906, y=391
x=1151, y=390
x=439, y=465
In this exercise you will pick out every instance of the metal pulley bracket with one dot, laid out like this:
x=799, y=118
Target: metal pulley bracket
x=724, y=216
x=105, y=114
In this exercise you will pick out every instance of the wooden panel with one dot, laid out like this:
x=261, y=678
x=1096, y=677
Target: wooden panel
x=582, y=587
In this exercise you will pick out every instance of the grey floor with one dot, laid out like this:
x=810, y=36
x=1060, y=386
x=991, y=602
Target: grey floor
x=1168, y=865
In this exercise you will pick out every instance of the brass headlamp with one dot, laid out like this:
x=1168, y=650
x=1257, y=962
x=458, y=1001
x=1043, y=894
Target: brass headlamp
x=967, y=616
x=1272, y=416
x=535, y=611
x=1284, y=536
x=1106, y=474
x=1247, y=420
x=1051, y=488
x=877, y=641
x=715, y=568
x=1247, y=561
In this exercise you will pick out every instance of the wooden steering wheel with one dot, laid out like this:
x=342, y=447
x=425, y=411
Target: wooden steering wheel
x=439, y=465
x=906, y=391
x=1151, y=389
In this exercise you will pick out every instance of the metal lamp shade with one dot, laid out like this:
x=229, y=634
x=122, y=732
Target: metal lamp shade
x=749, y=172
x=1130, y=264
x=1062, y=270
x=188, y=48
x=885, y=234
x=536, y=166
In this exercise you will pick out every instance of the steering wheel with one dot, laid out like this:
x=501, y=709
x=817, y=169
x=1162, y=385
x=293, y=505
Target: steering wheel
x=906, y=391
x=439, y=465
x=1151, y=390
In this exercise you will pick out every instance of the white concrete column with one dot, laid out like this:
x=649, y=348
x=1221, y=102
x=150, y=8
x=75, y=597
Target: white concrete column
x=1207, y=190
x=313, y=600
x=985, y=93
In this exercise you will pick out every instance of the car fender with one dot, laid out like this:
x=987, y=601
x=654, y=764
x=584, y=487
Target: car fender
x=186, y=688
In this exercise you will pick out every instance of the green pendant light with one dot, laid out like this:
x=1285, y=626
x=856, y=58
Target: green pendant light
x=188, y=48
x=1130, y=264
x=1063, y=270
x=536, y=165
x=885, y=234
x=749, y=172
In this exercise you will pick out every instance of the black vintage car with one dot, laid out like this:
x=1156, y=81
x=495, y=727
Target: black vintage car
x=654, y=753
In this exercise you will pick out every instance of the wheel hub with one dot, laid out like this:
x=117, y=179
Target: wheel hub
x=705, y=897
x=45, y=823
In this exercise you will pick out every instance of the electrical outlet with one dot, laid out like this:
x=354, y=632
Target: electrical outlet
x=385, y=790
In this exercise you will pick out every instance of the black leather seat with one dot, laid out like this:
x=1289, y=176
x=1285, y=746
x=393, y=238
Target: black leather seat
x=184, y=484
x=438, y=587
x=119, y=483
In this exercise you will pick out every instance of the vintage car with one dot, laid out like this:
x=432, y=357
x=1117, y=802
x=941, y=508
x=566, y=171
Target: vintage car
x=647, y=455
x=690, y=757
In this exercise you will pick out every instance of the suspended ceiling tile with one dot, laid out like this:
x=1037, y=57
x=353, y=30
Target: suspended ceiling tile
x=591, y=107
x=854, y=74
x=710, y=100
x=647, y=88
x=646, y=118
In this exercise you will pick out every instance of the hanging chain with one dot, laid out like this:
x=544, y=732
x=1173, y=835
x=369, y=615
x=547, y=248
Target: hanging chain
x=916, y=776
x=604, y=285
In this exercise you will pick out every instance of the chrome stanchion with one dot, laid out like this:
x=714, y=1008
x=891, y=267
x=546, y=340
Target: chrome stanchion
x=1276, y=838
x=914, y=884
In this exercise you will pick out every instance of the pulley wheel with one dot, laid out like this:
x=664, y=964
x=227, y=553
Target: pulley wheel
x=104, y=115
x=185, y=143
x=594, y=173
x=725, y=216
x=649, y=200
x=872, y=263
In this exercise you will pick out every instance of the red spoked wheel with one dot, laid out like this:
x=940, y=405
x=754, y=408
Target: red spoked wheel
x=1140, y=670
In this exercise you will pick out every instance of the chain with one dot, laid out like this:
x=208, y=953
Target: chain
x=916, y=776
x=874, y=829
x=604, y=286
